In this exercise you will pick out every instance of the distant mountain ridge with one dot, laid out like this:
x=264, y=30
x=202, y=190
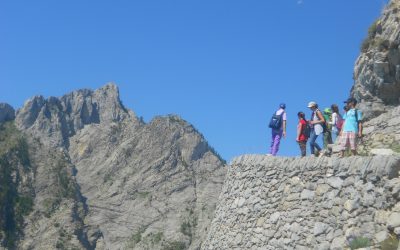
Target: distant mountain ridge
x=103, y=179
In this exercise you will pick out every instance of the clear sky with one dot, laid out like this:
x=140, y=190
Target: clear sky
x=222, y=65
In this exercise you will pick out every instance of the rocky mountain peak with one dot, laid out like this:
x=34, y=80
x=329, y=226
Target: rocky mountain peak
x=61, y=118
x=7, y=112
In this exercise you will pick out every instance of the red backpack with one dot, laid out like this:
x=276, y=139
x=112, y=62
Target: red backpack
x=339, y=122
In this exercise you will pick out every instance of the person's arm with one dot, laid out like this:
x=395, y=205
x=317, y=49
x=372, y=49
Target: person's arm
x=299, y=128
x=284, y=124
x=284, y=128
x=343, y=124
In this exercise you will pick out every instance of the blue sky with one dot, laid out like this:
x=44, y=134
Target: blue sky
x=224, y=66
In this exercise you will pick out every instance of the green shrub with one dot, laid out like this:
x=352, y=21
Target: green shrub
x=373, y=28
x=391, y=243
x=395, y=147
x=157, y=237
x=134, y=239
x=175, y=245
x=365, y=45
x=137, y=237
x=359, y=242
x=14, y=205
x=369, y=40
x=186, y=229
x=60, y=245
x=143, y=195
x=50, y=205
x=24, y=205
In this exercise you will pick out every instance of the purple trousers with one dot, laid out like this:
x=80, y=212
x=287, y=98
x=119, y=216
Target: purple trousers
x=276, y=140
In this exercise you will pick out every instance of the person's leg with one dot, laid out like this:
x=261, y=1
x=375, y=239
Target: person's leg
x=313, y=137
x=353, y=143
x=343, y=142
x=316, y=145
x=325, y=140
x=334, y=135
x=272, y=141
x=303, y=148
x=330, y=141
x=275, y=143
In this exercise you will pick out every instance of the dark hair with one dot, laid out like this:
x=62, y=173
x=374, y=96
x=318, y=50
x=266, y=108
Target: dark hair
x=335, y=108
x=301, y=115
x=346, y=108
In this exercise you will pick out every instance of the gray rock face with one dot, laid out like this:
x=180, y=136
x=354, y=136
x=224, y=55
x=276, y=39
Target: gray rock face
x=159, y=179
x=7, y=112
x=382, y=134
x=377, y=70
x=315, y=203
x=126, y=184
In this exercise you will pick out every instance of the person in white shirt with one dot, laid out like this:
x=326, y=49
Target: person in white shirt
x=317, y=119
x=336, y=122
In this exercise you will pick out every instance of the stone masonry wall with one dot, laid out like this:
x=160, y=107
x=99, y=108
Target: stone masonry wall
x=306, y=203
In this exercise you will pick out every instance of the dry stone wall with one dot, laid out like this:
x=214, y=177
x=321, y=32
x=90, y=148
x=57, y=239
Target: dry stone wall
x=306, y=203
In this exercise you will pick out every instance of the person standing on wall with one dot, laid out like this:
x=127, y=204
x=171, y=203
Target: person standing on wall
x=328, y=127
x=302, y=133
x=336, y=122
x=317, y=120
x=278, y=127
x=352, y=127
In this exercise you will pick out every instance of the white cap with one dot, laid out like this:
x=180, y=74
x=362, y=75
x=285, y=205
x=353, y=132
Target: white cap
x=312, y=104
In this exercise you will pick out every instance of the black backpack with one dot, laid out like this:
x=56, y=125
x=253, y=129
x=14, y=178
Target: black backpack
x=276, y=121
x=307, y=130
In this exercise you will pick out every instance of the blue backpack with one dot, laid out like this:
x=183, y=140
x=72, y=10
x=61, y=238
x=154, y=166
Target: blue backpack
x=276, y=121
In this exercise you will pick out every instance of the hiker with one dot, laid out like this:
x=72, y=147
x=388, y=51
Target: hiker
x=352, y=127
x=336, y=122
x=327, y=127
x=278, y=127
x=317, y=119
x=302, y=133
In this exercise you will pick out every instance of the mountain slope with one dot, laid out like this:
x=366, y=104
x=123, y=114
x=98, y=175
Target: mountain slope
x=103, y=179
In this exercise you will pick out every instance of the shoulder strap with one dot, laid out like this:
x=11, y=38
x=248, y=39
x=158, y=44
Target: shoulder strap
x=316, y=113
x=356, y=114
